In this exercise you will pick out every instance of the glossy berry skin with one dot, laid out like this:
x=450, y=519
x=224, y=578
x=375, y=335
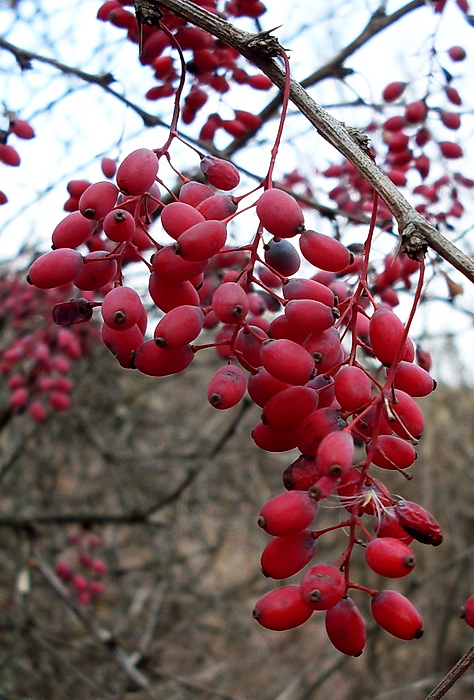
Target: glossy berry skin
x=280, y=213
x=345, y=628
x=285, y=556
x=352, y=388
x=98, y=200
x=322, y=586
x=282, y=609
x=386, y=525
x=287, y=513
x=467, y=612
x=202, y=241
x=389, y=557
x=282, y=256
x=136, y=174
x=121, y=308
x=290, y=407
x=154, y=361
x=324, y=252
x=386, y=334
x=179, y=326
x=55, y=268
x=227, y=387
x=397, y=615
x=393, y=452
x=230, y=303
x=287, y=361
x=335, y=453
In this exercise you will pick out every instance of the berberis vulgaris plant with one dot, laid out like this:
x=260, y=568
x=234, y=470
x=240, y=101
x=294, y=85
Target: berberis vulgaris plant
x=322, y=353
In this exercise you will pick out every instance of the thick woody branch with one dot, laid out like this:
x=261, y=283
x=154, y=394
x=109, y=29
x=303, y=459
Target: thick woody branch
x=260, y=49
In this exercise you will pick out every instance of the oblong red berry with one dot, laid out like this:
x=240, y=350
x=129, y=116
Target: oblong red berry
x=345, y=627
x=287, y=361
x=179, y=326
x=282, y=609
x=230, y=303
x=98, y=199
x=389, y=557
x=227, y=387
x=285, y=556
x=386, y=334
x=154, y=361
x=136, y=173
x=418, y=522
x=280, y=213
x=324, y=252
x=322, y=586
x=397, y=615
x=121, y=308
x=55, y=268
x=202, y=241
x=287, y=513
x=72, y=231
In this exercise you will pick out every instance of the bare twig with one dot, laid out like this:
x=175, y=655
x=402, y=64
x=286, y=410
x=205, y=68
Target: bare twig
x=452, y=676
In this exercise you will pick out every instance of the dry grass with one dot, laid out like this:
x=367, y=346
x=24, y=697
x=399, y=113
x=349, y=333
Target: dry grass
x=178, y=486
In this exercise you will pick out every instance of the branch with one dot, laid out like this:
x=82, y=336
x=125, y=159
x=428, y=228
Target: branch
x=452, y=676
x=415, y=232
x=24, y=59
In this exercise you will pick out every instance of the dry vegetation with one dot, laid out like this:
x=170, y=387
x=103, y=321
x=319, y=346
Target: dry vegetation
x=173, y=488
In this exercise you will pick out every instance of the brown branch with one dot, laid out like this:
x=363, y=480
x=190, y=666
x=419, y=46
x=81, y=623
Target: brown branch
x=452, y=676
x=25, y=58
x=415, y=232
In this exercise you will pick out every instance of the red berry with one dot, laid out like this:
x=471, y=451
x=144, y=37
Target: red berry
x=322, y=586
x=136, y=174
x=418, y=522
x=285, y=556
x=456, y=53
x=287, y=361
x=467, y=612
x=324, y=252
x=56, y=268
x=280, y=213
x=121, y=308
x=345, y=627
x=397, y=615
x=393, y=91
x=220, y=173
x=202, y=241
x=287, y=513
x=179, y=326
x=352, y=388
x=282, y=609
x=9, y=155
x=450, y=149
x=227, y=387
x=389, y=557
x=97, y=200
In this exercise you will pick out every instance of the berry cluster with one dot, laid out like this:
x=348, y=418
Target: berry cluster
x=314, y=389
x=409, y=144
x=38, y=357
x=213, y=64
x=326, y=359
x=83, y=574
x=8, y=154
